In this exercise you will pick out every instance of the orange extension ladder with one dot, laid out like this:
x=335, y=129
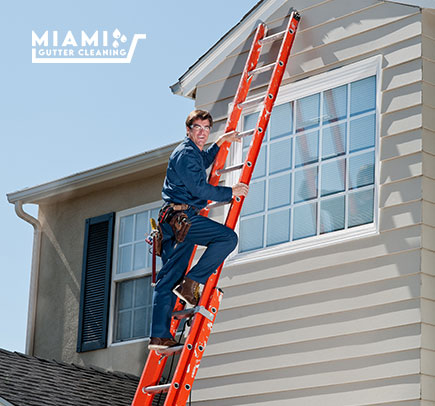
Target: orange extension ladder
x=204, y=314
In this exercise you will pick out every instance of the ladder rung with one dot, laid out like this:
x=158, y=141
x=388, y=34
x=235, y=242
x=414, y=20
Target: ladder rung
x=273, y=37
x=251, y=102
x=229, y=169
x=217, y=204
x=246, y=133
x=171, y=350
x=262, y=69
x=157, y=388
x=186, y=313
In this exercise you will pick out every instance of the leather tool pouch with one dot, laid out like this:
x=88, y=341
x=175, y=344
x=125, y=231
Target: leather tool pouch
x=177, y=219
x=180, y=224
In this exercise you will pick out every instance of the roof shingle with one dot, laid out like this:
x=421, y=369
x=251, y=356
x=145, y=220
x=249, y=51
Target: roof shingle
x=32, y=381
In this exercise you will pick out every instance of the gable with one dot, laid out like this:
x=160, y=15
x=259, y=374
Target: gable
x=186, y=84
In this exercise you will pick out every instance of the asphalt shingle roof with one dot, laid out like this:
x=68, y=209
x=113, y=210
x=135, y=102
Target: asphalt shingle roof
x=32, y=381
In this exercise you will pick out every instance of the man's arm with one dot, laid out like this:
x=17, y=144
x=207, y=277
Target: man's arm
x=190, y=170
x=210, y=154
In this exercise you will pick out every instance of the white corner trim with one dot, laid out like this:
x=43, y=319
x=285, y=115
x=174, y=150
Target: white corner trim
x=215, y=55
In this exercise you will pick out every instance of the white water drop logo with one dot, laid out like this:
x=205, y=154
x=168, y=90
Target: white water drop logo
x=116, y=34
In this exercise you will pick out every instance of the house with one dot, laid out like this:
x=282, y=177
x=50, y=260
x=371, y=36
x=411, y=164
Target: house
x=329, y=298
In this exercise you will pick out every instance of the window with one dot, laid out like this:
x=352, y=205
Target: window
x=315, y=173
x=131, y=274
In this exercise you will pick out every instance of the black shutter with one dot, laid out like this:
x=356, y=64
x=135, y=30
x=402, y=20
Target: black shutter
x=95, y=285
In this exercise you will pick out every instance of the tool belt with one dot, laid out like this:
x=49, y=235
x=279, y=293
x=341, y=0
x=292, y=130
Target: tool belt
x=174, y=215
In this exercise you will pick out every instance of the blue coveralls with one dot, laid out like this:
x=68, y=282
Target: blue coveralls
x=186, y=182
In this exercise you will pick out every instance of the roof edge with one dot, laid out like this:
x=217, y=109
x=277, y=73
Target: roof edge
x=185, y=86
x=93, y=176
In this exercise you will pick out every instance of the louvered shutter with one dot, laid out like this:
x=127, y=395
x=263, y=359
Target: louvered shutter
x=95, y=285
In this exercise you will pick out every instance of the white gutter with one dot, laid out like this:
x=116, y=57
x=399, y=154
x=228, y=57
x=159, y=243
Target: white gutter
x=34, y=275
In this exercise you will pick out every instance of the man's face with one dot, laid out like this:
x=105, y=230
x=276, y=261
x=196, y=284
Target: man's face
x=199, y=132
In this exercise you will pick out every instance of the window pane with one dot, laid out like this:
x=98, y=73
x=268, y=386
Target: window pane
x=280, y=156
x=126, y=229
x=306, y=184
x=123, y=328
x=249, y=122
x=140, y=254
x=143, y=292
x=142, y=226
x=335, y=104
x=360, y=207
x=361, y=170
x=363, y=95
x=278, y=227
x=125, y=295
x=307, y=149
x=304, y=221
x=334, y=141
x=281, y=120
x=260, y=165
x=332, y=214
x=279, y=191
x=140, y=323
x=362, y=133
x=254, y=202
x=124, y=259
x=252, y=231
x=307, y=112
x=333, y=177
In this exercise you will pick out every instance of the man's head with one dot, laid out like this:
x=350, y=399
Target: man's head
x=198, y=126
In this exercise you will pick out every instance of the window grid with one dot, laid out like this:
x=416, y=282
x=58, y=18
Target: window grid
x=131, y=311
x=131, y=320
x=319, y=165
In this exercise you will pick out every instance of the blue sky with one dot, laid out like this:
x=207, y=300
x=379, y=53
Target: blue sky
x=59, y=119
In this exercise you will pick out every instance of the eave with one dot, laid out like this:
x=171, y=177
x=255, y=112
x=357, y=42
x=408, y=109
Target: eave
x=144, y=164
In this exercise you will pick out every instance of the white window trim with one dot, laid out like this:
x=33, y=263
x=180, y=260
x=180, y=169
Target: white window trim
x=125, y=276
x=315, y=84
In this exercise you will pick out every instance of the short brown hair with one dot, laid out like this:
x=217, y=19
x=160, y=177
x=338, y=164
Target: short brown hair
x=198, y=114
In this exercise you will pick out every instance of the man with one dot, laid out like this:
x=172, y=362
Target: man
x=186, y=190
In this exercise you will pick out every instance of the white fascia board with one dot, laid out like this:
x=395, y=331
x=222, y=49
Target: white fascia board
x=93, y=176
x=214, y=56
x=417, y=3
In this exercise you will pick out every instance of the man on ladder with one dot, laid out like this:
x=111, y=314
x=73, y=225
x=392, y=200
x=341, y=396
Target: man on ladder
x=185, y=192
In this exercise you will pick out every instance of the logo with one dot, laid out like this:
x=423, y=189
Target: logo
x=99, y=47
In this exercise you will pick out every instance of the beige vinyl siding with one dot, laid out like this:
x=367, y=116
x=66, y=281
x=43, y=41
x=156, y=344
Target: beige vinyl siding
x=320, y=48
x=428, y=211
x=340, y=324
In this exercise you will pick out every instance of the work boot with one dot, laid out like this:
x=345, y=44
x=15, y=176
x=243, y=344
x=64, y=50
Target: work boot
x=157, y=343
x=188, y=291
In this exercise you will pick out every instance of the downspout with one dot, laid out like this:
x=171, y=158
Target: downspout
x=34, y=275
